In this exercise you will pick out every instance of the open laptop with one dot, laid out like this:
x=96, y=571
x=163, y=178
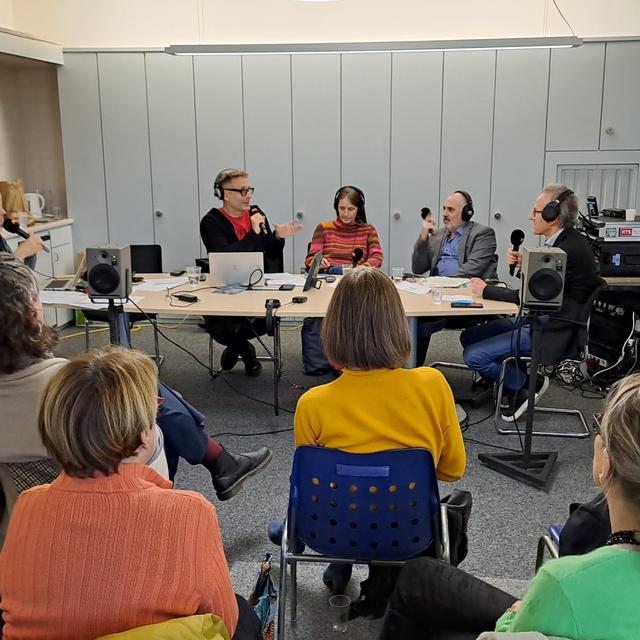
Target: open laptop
x=67, y=283
x=243, y=270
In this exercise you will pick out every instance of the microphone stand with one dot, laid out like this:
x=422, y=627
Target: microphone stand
x=530, y=468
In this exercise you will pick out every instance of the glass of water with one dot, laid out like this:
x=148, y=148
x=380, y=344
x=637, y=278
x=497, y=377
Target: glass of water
x=397, y=273
x=436, y=295
x=193, y=273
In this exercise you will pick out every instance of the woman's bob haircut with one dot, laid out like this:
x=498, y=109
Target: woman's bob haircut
x=365, y=326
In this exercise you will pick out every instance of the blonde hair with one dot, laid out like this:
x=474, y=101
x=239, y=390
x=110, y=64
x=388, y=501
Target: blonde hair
x=365, y=326
x=621, y=437
x=95, y=409
x=228, y=174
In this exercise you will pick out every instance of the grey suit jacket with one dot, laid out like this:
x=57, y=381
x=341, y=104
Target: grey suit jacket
x=476, y=257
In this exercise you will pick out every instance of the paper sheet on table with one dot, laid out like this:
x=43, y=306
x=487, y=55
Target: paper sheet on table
x=76, y=299
x=159, y=284
x=419, y=288
x=443, y=282
x=285, y=278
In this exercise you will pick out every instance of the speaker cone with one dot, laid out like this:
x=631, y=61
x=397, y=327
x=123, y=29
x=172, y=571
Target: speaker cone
x=545, y=284
x=104, y=279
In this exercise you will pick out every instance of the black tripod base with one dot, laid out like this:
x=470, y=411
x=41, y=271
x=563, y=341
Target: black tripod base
x=535, y=470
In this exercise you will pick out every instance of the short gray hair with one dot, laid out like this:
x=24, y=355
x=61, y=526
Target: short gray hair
x=568, y=207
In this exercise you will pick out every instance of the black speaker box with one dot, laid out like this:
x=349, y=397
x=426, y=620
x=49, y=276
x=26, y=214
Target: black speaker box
x=543, y=271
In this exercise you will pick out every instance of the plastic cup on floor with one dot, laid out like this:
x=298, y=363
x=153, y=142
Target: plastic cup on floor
x=339, y=606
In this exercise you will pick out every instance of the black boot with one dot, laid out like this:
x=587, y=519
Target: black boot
x=228, y=359
x=252, y=366
x=230, y=470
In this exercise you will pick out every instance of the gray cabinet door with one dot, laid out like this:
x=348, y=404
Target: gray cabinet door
x=467, y=126
x=125, y=127
x=621, y=97
x=315, y=86
x=219, y=121
x=172, y=137
x=575, y=96
x=267, y=114
x=366, y=130
x=518, y=144
x=416, y=115
x=82, y=145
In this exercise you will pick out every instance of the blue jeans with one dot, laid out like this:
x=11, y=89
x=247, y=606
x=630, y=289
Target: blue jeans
x=486, y=345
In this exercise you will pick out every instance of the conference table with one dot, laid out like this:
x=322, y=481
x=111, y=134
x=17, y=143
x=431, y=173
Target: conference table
x=252, y=303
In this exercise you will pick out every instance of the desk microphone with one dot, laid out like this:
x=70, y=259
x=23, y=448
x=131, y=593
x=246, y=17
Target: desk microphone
x=517, y=238
x=13, y=227
x=356, y=256
x=254, y=208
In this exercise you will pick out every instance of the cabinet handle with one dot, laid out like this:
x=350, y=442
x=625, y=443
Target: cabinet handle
x=609, y=130
x=396, y=215
x=497, y=215
x=159, y=214
x=299, y=215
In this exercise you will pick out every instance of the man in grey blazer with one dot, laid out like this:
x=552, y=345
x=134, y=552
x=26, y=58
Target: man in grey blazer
x=461, y=248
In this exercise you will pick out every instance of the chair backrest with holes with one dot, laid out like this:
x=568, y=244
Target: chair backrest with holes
x=375, y=506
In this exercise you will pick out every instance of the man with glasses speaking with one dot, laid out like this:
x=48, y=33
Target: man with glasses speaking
x=238, y=226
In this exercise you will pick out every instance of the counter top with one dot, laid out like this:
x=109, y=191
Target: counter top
x=41, y=226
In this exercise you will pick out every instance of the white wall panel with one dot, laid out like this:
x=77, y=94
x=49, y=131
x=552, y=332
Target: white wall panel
x=267, y=113
x=125, y=127
x=366, y=131
x=416, y=117
x=315, y=85
x=575, y=97
x=219, y=121
x=82, y=145
x=467, y=126
x=172, y=134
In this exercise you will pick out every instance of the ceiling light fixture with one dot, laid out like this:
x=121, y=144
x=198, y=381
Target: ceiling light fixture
x=484, y=44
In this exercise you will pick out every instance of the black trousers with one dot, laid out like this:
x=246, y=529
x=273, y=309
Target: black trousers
x=235, y=331
x=437, y=601
x=248, y=623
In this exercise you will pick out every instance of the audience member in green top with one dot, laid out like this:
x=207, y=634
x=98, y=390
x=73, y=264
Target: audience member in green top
x=588, y=597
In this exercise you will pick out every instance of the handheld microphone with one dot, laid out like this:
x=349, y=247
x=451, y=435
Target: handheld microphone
x=425, y=213
x=356, y=256
x=517, y=238
x=254, y=208
x=13, y=227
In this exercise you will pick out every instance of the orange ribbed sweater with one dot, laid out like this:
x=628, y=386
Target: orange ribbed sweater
x=87, y=557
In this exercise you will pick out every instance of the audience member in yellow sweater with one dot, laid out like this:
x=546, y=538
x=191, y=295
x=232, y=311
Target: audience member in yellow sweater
x=108, y=545
x=375, y=404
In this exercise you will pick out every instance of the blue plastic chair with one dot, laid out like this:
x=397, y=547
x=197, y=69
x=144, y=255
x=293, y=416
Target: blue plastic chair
x=355, y=508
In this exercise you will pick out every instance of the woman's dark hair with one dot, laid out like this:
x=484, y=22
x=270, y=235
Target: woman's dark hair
x=24, y=335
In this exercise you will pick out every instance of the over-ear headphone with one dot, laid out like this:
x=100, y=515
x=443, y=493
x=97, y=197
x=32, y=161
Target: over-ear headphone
x=551, y=211
x=467, y=210
x=218, y=190
x=361, y=216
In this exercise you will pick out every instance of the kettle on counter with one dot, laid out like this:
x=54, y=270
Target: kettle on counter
x=35, y=204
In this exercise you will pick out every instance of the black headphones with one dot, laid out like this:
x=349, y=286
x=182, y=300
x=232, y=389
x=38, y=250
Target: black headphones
x=467, y=210
x=361, y=216
x=218, y=190
x=551, y=211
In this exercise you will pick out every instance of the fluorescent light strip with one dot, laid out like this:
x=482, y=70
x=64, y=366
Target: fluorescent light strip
x=555, y=42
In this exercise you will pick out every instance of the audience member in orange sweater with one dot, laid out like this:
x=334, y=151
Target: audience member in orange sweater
x=109, y=546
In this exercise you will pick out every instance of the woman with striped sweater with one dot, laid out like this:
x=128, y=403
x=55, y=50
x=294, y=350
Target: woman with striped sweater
x=349, y=240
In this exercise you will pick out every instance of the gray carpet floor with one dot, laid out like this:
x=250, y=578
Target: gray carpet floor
x=507, y=516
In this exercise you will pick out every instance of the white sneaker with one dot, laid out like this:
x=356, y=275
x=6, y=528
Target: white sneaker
x=521, y=401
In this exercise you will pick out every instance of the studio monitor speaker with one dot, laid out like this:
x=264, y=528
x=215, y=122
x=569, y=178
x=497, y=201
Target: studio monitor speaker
x=109, y=272
x=543, y=271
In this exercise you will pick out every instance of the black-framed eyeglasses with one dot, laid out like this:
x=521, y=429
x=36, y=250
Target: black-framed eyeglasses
x=243, y=192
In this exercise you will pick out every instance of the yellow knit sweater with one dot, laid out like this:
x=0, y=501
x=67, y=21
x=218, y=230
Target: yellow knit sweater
x=367, y=411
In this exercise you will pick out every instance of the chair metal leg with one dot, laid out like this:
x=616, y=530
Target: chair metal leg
x=583, y=433
x=282, y=596
x=545, y=543
x=294, y=590
x=156, y=343
x=86, y=335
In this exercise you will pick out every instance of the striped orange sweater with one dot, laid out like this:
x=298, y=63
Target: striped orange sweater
x=337, y=241
x=87, y=557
